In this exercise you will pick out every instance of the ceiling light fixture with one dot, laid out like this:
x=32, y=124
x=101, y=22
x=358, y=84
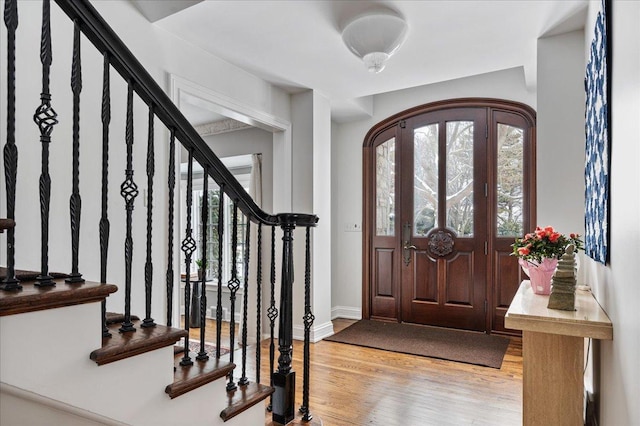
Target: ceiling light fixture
x=374, y=38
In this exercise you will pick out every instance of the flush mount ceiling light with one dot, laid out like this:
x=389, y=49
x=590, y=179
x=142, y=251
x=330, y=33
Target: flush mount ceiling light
x=374, y=38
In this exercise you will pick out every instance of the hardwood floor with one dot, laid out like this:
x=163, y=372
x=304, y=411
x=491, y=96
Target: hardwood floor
x=351, y=385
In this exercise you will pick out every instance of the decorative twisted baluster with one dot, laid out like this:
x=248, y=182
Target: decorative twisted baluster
x=284, y=378
x=259, y=302
x=45, y=118
x=75, y=202
x=245, y=304
x=220, y=267
x=104, y=218
x=202, y=355
x=308, y=319
x=188, y=247
x=272, y=312
x=128, y=191
x=233, y=285
x=10, y=150
x=148, y=266
x=172, y=186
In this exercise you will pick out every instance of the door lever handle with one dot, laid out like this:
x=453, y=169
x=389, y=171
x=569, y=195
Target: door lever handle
x=406, y=254
x=409, y=247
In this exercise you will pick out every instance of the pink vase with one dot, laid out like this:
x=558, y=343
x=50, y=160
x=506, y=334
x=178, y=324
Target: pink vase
x=540, y=274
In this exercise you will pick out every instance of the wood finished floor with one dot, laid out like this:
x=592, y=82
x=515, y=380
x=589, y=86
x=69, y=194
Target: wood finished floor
x=351, y=385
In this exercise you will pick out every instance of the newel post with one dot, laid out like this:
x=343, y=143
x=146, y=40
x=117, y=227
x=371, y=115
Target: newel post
x=284, y=380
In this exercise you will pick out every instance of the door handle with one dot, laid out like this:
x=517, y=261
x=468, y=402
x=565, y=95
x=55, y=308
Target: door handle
x=406, y=252
x=409, y=247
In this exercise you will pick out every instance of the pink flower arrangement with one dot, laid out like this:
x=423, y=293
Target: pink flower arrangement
x=544, y=243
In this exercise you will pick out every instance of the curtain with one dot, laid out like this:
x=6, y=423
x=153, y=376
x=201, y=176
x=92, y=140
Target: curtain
x=255, y=190
x=255, y=183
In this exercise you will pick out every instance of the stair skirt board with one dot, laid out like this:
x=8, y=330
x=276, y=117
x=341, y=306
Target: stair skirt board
x=54, y=347
x=21, y=407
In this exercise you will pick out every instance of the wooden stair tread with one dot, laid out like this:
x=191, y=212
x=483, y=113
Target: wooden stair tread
x=244, y=398
x=32, y=298
x=125, y=345
x=188, y=378
x=117, y=318
x=6, y=224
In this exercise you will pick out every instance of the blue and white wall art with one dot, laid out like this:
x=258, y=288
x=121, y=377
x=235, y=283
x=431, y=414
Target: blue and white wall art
x=597, y=124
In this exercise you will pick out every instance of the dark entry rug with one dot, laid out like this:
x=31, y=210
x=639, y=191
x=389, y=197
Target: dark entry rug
x=453, y=345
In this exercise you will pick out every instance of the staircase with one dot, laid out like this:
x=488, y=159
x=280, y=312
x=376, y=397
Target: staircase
x=47, y=374
x=63, y=358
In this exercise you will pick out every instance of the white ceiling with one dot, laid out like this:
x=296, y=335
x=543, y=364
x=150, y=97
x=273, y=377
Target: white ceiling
x=297, y=45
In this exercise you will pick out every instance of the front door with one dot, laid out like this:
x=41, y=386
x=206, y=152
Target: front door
x=446, y=201
x=443, y=215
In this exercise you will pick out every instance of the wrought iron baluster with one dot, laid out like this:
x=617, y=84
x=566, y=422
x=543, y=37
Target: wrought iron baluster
x=188, y=247
x=284, y=378
x=259, y=302
x=202, y=355
x=45, y=118
x=172, y=185
x=220, y=268
x=75, y=202
x=104, y=218
x=233, y=285
x=272, y=313
x=245, y=304
x=148, y=266
x=308, y=319
x=10, y=152
x=128, y=191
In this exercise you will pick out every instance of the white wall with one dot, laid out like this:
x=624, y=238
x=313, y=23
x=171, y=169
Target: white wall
x=249, y=141
x=347, y=169
x=560, y=133
x=322, y=202
x=312, y=194
x=615, y=285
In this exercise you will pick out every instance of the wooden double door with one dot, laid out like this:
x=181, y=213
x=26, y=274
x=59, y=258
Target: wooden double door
x=448, y=187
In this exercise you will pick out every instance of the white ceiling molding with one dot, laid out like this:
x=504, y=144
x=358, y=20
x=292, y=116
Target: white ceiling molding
x=223, y=126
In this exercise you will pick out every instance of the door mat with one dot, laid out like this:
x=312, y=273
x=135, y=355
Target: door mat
x=434, y=342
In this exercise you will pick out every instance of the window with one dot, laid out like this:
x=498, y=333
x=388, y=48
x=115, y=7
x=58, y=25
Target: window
x=240, y=166
x=212, y=236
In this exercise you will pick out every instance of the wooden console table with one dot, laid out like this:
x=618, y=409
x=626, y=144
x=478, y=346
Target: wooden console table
x=553, y=354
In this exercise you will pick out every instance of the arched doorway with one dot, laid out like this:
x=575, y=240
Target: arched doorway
x=447, y=187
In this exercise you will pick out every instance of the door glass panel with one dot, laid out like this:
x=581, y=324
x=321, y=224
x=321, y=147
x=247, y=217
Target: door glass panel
x=425, y=181
x=510, y=181
x=385, y=187
x=460, y=177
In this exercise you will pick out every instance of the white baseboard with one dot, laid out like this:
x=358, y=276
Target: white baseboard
x=316, y=333
x=348, y=312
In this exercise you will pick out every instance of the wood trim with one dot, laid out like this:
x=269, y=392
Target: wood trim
x=33, y=298
x=498, y=104
x=367, y=222
x=491, y=104
x=187, y=378
x=6, y=224
x=144, y=339
x=244, y=398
